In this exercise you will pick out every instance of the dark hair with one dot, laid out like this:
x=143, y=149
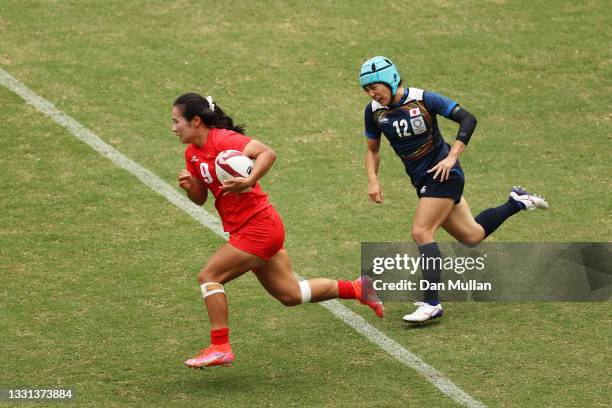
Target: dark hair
x=193, y=104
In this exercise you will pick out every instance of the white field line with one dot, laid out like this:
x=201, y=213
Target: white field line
x=156, y=184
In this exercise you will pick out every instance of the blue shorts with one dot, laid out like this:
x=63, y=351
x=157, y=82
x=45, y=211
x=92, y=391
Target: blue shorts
x=451, y=188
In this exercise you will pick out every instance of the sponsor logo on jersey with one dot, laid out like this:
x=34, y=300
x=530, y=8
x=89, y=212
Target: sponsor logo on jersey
x=383, y=120
x=418, y=125
x=415, y=112
x=194, y=159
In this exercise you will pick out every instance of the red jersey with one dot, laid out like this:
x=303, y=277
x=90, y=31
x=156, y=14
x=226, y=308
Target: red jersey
x=234, y=208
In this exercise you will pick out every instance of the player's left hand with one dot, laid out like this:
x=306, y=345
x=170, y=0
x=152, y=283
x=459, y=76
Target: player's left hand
x=443, y=168
x=237, y=185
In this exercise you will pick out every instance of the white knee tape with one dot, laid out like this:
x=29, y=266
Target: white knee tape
x=305, y=290
x=210, y=288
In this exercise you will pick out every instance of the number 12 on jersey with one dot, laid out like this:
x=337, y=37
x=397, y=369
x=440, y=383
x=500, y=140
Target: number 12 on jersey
x=404, y=131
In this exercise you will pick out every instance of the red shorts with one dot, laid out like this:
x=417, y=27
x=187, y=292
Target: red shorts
x=262, y=235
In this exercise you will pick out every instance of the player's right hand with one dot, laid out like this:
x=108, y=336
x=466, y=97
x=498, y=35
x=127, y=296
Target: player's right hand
x=185, y=181
x=375, y=192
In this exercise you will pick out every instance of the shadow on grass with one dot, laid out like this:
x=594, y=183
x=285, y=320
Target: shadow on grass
x=420, y=326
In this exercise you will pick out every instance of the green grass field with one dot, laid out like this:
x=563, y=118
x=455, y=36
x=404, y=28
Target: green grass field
x=98, y=280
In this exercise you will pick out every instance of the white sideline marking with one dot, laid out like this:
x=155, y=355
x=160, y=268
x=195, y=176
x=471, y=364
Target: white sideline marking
x=156, y=184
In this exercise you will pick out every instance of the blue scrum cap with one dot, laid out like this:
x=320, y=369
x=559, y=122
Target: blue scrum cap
x=379, y=69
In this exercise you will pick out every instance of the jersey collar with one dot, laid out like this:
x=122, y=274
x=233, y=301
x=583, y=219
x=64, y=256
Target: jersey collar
x=402, y=101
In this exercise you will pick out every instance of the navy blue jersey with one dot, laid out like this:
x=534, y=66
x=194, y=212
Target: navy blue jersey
x=412, y=129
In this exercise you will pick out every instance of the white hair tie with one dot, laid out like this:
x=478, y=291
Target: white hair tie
x=211, y=104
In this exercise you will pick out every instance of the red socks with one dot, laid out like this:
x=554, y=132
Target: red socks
x=219, y=336
x=346, y=290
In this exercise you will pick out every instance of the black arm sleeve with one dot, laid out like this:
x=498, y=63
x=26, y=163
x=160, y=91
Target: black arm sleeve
x=466, y=121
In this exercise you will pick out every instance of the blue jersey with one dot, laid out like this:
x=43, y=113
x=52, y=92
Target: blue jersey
x=412, y=129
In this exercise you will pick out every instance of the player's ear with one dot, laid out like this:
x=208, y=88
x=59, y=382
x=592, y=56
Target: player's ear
x=196, y=121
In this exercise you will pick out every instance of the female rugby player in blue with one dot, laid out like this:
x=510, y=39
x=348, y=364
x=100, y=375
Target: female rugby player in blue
x=408, y=119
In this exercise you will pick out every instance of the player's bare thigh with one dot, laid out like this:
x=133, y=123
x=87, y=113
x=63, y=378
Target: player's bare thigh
x=277, y=277
x=461, y=224
x=228, y=263
x=430, y=214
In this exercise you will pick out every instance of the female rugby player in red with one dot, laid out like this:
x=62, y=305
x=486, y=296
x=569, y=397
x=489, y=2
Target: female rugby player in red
x=256, y=230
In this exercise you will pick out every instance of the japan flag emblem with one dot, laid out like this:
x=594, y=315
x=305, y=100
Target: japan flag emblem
x=415, y=112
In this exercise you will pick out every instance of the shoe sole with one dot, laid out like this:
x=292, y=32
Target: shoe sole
x=230, y=364
x=225, y=365
x=382, y=310
x=213, y=364
x=426, y=320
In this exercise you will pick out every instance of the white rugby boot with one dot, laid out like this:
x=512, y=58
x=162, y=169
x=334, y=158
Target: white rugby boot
x=424, y=312
x=529, y=201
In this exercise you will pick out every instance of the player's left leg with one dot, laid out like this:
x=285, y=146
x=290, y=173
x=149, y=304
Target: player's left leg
x=430, y=214
x=462, y=226
x=468, y=229
x=277, y=277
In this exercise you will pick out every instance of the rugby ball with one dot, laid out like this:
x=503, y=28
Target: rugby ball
x=232, y=163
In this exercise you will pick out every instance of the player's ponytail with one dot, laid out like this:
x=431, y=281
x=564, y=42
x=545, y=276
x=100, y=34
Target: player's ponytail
x=193, y=104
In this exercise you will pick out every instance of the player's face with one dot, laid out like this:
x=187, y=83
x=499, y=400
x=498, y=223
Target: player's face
x=181, y=127
x=380, y=93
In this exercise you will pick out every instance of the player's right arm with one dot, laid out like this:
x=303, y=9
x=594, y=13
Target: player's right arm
x=195, y=188
x=372, y=162
x=372, y=159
